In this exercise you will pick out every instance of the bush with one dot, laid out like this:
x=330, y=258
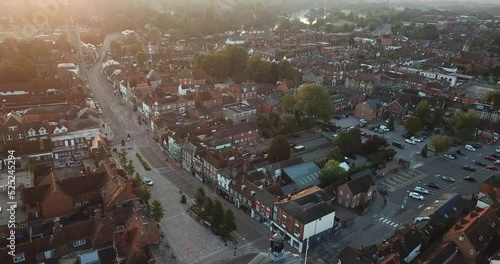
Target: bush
x=183, y=199
x=143, y=162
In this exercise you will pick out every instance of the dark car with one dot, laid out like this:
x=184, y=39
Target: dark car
x=476, y=145
x=469, y=179
x=433, y=186
x=407, y=136
x=469, y=168
x=491, y=167
x=496, y=156
x=490, y=158
x=480, y=163
x=454, y=142
x=459, y=152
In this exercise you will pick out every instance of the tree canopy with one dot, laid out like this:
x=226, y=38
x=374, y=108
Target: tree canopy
x=279, y=149
x=157, y=211
x=349, y=142
x=413, y=125
x=332, y=173
x=12, y=74
x=313, y=101
x=441, y=143
x=464, y=124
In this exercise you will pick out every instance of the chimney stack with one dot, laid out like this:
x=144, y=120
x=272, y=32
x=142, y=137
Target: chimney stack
x=57, y=225
x=128, y=189
x=97, y=215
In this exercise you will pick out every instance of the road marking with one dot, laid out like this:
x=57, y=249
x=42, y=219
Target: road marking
x=395, y=225
x=381, y=218
x=418, y=165
x=385, y=221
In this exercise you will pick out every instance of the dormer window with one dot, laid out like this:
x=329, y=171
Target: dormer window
x=31, y=133
x=12, y=128
x=42, y=131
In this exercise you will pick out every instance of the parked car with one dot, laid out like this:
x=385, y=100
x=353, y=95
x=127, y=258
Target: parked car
x=450, y=179
x=469, y=168
x=460, y=152
x=398, y=145
x=469, y=147
x=421, y=190
x=449, y=156
x=433, y=186
x=417, y=196
x=368, y=136
x=491, y=167
x=480, y=163
x=476, y=145
x=147, y=181
x=497, y=150
x=454, y=142
x=407, y=136
x=409, y=141
x=416, y=139
x=496, y=156
x=469, y=179
x=497, y=162
x=490, y=158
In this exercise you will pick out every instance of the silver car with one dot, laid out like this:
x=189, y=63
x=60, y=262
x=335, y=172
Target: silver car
x=421, y=190
x=417, y=196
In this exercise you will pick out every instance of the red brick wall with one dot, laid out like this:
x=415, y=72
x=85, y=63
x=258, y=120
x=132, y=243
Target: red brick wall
x=487, y=189
x=57, y=204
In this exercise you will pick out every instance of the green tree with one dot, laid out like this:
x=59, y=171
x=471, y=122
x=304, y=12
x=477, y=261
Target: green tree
x=287, y=70
x=349, y=142
x=332, y=173
x=229, y=224
x=423, y=111
x=430, y=32
x=390, y=125
x=437, y=117
x=30, y=67
x=183, y=199
x=313, y=100
x=157, y=211
x=441, y=143
x=155, y=34
x=490, y=96
x=141, y=58
x=208, y=209
x=288, y=104
x=116, y=48
x=279, y=149
x=337, y=154
x=199, y=198
x=138, y=178
x=464, y=124
x=122, y=156
x=412, y=125
x=217, y=219
x=129, y=168
x=424, y=152
x=288, y=123
x=146, y=193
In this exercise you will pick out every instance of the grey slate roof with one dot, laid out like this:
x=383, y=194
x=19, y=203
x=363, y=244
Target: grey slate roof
x=361, y=184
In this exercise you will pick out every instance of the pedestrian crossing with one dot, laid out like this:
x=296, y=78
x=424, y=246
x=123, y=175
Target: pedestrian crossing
x=387, y=221
x=401, y=179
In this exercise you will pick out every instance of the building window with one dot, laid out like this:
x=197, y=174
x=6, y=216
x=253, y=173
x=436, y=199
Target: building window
x=297, y=223
x=19, y=257
x=13, y=128
x=78, y=243
x=348, y=196
x=340, y=200
x=341, y=192
x=56, y=144
x=48, y=254
x=20, y=136
x=369, y=193
x=9, y=137
x=471, y=252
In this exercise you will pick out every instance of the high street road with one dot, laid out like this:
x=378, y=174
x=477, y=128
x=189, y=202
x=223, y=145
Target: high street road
x=123, y=120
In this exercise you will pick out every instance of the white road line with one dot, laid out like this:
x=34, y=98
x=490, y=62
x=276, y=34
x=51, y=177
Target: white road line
x=381, y=218
x=385, y=221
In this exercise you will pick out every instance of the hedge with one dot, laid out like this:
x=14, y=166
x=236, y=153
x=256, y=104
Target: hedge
x=143, y=162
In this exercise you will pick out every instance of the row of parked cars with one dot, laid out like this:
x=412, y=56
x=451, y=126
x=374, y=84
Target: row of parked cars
x=495, y=157
x=418, y=192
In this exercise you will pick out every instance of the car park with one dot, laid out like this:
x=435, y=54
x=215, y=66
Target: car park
x=147, y=181
x=491, y=167
x=409, y=141
x=469, y=147
x=490, y=158
x=480, y=163
x=433, y=186
x=416, y=195
x=450, y=179
x=460, y=152
x=469, y=168
x=421, y=190
x=469, y=179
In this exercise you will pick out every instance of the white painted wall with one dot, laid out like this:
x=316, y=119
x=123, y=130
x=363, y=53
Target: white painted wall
x=223, y=182
x=413, y=254
x=318, y=226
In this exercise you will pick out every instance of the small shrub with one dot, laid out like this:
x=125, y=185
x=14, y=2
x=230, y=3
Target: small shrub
x=143, y=162
x=183, y=199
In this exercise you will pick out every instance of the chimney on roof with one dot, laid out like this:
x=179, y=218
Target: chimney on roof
x=57, y=225
x=97, y=215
